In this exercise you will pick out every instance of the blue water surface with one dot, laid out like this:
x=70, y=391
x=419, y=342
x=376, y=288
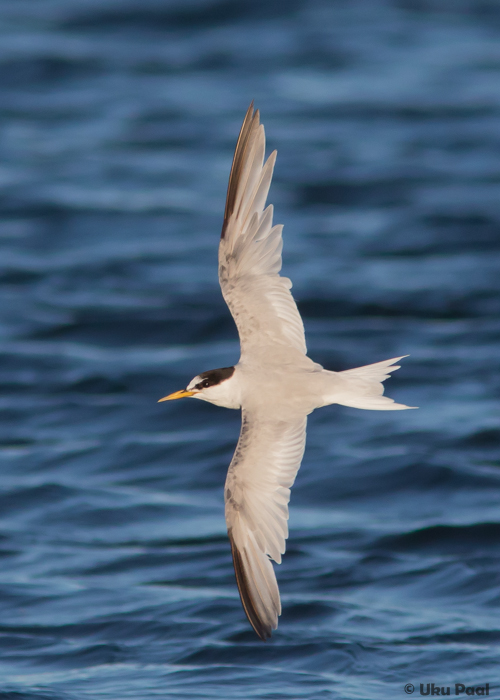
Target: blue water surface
x=118, y=123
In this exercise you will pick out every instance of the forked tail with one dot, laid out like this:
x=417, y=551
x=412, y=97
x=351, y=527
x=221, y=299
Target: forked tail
x=362, y=387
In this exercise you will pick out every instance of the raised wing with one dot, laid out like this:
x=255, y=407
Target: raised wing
x=257, y=491
x=250, y=253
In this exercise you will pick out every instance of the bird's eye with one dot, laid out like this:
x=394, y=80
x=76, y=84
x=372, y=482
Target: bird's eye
x=205, y=384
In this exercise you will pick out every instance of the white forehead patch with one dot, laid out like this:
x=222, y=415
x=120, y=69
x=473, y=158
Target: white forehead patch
x=194, y=382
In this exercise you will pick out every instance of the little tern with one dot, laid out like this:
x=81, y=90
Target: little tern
x=274, y=383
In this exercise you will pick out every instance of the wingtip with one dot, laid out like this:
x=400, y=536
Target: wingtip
x=262, y=630
x=396, y=359
x=250, y=122
x=250, y=113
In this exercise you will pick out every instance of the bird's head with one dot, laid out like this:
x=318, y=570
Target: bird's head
x=213, y=386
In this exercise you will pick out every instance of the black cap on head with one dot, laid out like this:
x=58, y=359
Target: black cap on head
x=214, y=376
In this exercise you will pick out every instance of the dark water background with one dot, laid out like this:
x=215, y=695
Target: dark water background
x=118, y=122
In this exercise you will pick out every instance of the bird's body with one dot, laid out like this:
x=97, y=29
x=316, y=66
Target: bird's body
x=274, y=383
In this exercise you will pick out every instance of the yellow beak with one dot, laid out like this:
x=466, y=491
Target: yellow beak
x=177, y=395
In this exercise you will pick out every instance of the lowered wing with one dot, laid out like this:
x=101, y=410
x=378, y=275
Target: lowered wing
x=257, y=491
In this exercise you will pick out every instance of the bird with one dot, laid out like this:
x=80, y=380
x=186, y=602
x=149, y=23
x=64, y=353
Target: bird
x=274, y=384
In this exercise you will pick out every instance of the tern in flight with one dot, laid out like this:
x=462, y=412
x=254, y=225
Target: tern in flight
x=274, y=383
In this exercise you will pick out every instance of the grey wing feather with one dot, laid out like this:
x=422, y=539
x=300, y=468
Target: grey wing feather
x=250, y=252
x=261, y=473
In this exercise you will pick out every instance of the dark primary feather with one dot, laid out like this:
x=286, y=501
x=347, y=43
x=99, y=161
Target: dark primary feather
x=238, y=163
x=263, y=630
